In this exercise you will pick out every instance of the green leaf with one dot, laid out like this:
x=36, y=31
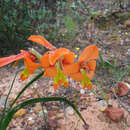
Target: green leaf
x=128, y=69
x=101, y=59
x=107, y=63
x=3, y=112
x=26, y=86
x=36, y=100
x=102, y=91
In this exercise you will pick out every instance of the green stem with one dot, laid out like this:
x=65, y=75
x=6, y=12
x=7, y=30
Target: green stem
x=36, y=53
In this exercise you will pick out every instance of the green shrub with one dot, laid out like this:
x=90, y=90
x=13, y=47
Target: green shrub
x=21, y=18
x=18, y=20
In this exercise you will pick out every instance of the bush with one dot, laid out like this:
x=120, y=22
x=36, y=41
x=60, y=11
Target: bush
x=18, y=20
x=21, y=18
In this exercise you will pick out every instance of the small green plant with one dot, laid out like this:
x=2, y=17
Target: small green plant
x=70, y=28
x=116, y=74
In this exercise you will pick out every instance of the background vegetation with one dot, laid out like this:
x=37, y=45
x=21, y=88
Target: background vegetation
x=58, y=20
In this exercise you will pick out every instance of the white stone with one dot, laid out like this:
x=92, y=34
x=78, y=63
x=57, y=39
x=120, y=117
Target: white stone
x=82, y=91
x=69, y=111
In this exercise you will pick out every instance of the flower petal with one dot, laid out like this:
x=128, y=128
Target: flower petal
x=45, y=61
x=54, y=56
x=90, y=74
x=69, y=58
x=77, y=76
x=24, y=75
x=31, y=66
x=7, y=60
x=66, y=84
x=71, y=68
x=89, y=53
x=92, y=65
x=41, y=40
x=55, y=86
x=50, y=72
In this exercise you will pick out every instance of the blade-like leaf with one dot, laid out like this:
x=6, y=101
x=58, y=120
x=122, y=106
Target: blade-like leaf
x=110, y=65
x=101, y=59
x=106, y=63
x=36, y=100
x=101, y=90
x=26, y=86
x=3, y=112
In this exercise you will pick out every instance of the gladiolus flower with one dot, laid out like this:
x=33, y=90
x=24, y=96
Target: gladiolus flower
x=29, y=58
x=30, y=65
x=84, y=69
x=52, y=63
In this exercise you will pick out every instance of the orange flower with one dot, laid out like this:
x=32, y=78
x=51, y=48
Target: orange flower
x=30, y=65
x=84, y=69
x=29, y=58
x=49, y=59
x=52, y=63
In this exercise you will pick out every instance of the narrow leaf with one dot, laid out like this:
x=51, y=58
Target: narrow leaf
x=36, y=100
x=26, y=86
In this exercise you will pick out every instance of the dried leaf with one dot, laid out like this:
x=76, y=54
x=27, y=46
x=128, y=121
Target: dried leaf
x=19, y=113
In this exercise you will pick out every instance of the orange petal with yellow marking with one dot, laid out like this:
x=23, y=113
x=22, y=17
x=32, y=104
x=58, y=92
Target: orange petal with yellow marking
x=22, y=77
x=31, y=66
x=50, y=72
x=53, y=57
x=89, y=53
x=71, y=68
x=87, y=85
x=41, y=40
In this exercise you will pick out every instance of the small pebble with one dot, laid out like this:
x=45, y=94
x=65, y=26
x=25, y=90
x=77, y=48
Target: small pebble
x=82, y=91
